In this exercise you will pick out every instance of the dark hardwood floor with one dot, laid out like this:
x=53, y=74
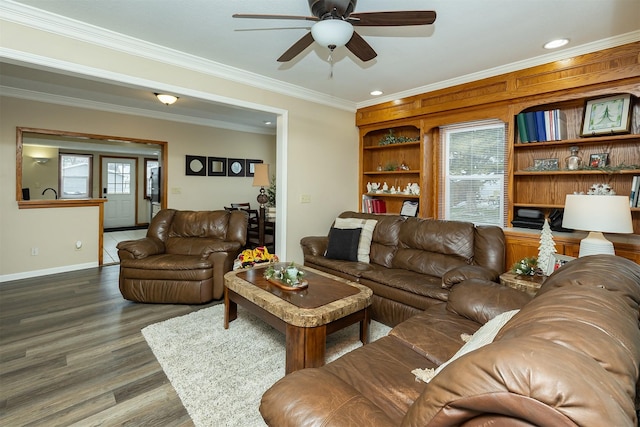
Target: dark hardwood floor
x=71, y=353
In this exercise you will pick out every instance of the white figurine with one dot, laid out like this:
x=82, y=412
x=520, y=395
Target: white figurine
x=385, y=187
x=393, y=190
x=368, y=187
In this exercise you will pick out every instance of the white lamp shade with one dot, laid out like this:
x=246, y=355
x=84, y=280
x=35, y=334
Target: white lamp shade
x=606, y=214
x=332, y=32
x=261, y=175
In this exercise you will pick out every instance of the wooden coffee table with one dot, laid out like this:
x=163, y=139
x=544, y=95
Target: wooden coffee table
x=305, y=316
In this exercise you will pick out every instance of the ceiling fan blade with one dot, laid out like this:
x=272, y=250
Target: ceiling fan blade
x=392, y=19
x=360, y=48
x=297, y=48
x=292, y=17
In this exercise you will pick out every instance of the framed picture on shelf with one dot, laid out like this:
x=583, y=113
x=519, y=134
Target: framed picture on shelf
x=603, y=116
x=546, y=164
x=409, y=208
x=556, y=261
x=599, y=160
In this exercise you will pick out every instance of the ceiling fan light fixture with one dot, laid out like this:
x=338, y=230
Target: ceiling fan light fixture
x=332, y=33
x=166, y=99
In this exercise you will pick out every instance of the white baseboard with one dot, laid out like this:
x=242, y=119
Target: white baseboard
x=46, y=271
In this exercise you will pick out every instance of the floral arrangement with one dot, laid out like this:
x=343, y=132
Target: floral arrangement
x=390, y=139
x=526, y=266
x=291, y=275
x=250, y=257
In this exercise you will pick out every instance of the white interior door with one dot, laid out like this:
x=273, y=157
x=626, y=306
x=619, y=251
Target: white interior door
x=119, y=187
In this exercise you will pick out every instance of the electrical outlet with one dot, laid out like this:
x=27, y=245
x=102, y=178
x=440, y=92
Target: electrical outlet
x=305, y=198
x=176, y=190
x=35, y=251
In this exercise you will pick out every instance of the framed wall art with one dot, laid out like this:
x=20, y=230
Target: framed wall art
x=196, y=165
x=603, y=116
x=235, y=167
x=250, y=166
x=216, y=166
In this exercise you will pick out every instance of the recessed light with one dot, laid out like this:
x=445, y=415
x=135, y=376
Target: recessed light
x=267, y=122
x=554, y=44
x=376, y=92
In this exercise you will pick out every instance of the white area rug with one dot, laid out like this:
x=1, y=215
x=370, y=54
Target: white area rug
x=220, y=375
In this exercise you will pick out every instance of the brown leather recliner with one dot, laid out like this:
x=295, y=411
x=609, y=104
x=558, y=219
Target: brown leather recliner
x=184, y=257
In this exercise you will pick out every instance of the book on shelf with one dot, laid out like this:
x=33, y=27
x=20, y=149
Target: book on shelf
x=542, y=126
x=379, y=206
x=367, y=206
x=635, y=192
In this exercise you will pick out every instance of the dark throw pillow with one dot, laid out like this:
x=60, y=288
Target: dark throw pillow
x=343, y=243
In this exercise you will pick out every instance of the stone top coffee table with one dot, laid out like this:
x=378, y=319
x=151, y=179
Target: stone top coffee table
x=305, y=316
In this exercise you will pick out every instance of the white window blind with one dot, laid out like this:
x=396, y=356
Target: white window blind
x=473, y=172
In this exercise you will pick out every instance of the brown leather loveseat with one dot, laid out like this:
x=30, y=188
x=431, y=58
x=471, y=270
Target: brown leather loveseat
x=184, y=257
x=569, y=357
x=413, y=262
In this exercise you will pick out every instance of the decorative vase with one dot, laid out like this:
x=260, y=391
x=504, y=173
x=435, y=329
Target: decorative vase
x=573, y=161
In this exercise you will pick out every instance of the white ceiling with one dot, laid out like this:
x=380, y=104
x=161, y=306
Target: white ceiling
x=470, y=39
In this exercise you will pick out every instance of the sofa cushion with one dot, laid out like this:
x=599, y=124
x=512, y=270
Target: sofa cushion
x=367, y=226
x=200, y=224
x=409, y=281
x=354, y=269
x=167, y=262
x=343, y=243
x=434, y=247
x=385, y=236
x=480, y=338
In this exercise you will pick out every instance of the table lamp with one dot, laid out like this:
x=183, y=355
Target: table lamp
x=597, y=215
x=261, y=179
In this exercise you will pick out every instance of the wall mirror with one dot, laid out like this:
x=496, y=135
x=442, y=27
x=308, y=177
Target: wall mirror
x=55, y=168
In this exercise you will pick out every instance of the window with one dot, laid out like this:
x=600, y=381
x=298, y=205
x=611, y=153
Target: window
x=118, y=178
x=473, y=181
x=75, y=176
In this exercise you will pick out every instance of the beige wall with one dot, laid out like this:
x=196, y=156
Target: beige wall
x=317, y=155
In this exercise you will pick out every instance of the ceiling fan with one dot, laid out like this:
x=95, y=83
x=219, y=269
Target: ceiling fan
x=334, y=22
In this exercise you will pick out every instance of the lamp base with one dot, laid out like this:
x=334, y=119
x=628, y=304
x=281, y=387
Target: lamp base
x=594, y=244
x=262, y=198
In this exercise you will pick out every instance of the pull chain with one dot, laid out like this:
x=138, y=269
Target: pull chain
x=330, y=59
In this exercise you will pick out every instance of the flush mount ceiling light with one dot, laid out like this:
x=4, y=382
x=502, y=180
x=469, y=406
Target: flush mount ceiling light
x=554, y=44
x=166, y=99
x=332, y=33
x=375, y=92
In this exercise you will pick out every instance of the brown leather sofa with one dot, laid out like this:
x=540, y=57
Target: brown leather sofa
x=414, y=262
x=184, y=257
x=569, y=357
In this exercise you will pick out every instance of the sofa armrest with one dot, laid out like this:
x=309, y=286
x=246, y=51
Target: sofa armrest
x=333, y=403
x=231, y=247
x=465, y=272
x=314, y=245
x=513, y=382
x=482, y=300
x=141, y=248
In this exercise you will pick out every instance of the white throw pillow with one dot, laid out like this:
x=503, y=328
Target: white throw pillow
x=367, y=226
x=482, y=337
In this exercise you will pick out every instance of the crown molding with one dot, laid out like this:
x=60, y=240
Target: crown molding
x=66, y=27
x=620, y=40
x=119, y=109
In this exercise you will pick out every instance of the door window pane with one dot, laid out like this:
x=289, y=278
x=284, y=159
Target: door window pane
x=118, y=178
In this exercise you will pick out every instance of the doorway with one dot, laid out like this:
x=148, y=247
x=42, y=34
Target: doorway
x=118, y=183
